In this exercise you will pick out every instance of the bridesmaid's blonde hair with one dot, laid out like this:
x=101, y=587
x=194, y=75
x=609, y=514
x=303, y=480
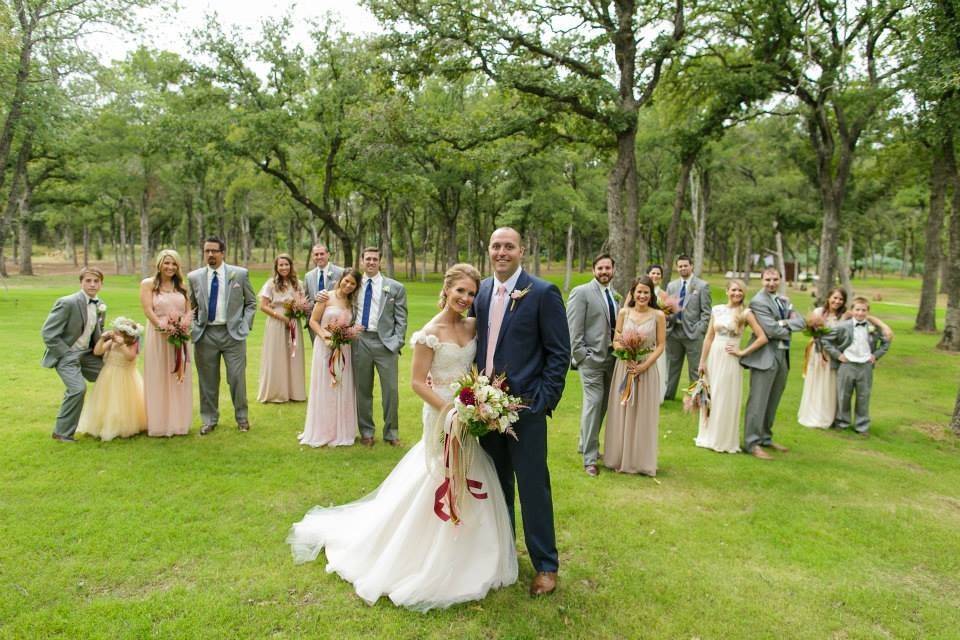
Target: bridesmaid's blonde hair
x=743, y=307
x=458, y=271
x=179, y=282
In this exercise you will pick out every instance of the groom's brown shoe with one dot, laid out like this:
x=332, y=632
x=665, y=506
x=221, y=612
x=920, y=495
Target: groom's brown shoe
x=367, y=442
x=207, y=428
x=543, y=583
x=758, y=452
x=60, y=438
x=779, y=447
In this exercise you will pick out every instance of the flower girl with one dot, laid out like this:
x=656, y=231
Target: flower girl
x=115, y=406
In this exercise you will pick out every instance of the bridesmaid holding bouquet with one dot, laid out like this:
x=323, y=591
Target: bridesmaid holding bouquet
x=332, y=408
x=281, y=363
x=167, y=374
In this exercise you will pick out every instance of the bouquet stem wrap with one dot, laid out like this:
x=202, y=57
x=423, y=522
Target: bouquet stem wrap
x=335, y=364
x=627, y=387
x=456, y=461
x=181, y=360
x=292, y=330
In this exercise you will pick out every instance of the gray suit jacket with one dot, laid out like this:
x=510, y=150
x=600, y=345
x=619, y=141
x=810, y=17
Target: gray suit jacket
x=765, y=310
x=589, y=324
x=64, y=326
x=837, y=341
x=392, y=325
x=331, y=275
x=696, y=309
x=241, y=302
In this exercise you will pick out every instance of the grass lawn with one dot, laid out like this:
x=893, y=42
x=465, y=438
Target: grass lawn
x=840, y=538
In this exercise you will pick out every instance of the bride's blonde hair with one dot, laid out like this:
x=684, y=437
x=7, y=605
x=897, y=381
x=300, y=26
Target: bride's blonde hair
x=458, y=271
x=743, y=307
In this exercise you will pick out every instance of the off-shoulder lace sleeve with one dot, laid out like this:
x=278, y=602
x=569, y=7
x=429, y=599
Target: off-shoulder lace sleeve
x=420, y=337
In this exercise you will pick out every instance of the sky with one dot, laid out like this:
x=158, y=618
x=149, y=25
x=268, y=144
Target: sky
x=170, y=30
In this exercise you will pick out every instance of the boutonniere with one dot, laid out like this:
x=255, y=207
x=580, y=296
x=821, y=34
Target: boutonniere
x=101, y=309
x=618, y=298
x=386, y=288
x=518, y=295
x=231, y=276
x=871, y=329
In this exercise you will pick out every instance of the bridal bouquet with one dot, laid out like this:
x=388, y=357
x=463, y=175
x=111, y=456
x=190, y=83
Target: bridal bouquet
x=341, y=333
x=484, y=405
x=668, y=304
x=178, y=335
x=697, y=396
x=633, y=348
x=816, y=326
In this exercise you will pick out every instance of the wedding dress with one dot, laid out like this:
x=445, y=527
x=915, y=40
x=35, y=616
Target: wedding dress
x=394, y=543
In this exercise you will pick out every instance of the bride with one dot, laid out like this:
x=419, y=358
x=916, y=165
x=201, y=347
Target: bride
x=400, y=540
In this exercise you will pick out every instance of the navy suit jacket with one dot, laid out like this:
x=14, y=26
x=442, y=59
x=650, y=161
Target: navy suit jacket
x=533, y=348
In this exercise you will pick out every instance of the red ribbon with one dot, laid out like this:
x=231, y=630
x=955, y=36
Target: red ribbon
x=447, y=492
x=181, y=358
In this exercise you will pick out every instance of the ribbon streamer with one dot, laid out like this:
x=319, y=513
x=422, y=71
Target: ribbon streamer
x=445, y=497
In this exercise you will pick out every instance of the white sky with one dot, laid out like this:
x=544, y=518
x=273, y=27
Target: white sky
x=170, y=30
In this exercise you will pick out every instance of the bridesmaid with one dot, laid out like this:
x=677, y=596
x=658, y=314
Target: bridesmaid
x=630, y=443
x=332, y=408
x=818, y=402
x=655, y=272
x=720, y=363
x=281, y=362
x=169, y=392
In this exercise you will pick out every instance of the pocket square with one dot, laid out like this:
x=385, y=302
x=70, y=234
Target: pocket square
x=236, y=285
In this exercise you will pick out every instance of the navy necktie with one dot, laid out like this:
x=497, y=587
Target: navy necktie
x=214, y=298
x=367, y=301
x=783, y=310
x=320, y=285
x=613, y=313
x=683, y=297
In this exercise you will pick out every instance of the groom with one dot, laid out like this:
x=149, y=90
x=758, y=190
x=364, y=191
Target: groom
x=522, y=332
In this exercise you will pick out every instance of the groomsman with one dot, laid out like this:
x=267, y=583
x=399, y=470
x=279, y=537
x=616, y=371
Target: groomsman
x=854, y=347
x=592, y=317
x=768, y=365
x=71, y=329
x=382, y=310
x=323, y=277
x=687, y=326
x=223, y=305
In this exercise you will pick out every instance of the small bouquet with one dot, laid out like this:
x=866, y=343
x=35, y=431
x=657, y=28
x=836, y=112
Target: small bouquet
x=480, y=406
x=178, y=335
x=697, y=396
x=297, y=310
x=341, y=334
x=668, y=304
x=633, y=349
x=816, y=326
x=484, y=405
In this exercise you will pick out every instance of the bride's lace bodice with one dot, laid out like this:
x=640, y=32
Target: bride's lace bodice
x=450, y=361
x=725, y=321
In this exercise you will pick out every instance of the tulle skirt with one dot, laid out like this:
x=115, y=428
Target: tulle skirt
x=114, y=407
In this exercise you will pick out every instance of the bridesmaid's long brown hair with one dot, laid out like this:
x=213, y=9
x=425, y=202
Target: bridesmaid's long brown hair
x=178, y=279
x=279, y=282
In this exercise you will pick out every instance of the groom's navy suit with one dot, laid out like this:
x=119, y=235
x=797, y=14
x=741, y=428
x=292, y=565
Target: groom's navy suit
x=533, y=350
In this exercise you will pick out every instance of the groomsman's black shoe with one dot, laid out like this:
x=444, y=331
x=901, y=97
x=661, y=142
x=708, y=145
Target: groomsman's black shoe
x=60, y=438
x=367, y=442
x=393, y=443
x=592, y=470
x=207, y=428
x=243, y=426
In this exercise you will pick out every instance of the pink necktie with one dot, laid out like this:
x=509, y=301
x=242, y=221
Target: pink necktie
x=496, y=319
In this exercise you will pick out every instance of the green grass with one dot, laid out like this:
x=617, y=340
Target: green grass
x=840, y=538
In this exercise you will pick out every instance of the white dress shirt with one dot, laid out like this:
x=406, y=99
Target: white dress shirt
x=83, y=342
x=510, y=284
x=859, y=350
x=221, y=271
x=376, y=305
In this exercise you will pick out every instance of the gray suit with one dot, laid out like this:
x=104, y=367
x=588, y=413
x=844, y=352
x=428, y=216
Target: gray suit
x=311, y=281
x=685, y=331
x=589, y=322
x=62, y=328
x=380, y=350
x=853, y=375
x=211, y=342
x=769, y=366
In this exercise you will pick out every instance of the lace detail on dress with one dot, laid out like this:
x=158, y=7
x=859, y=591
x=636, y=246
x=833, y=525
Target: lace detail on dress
x=725, y=321
x=421, y=337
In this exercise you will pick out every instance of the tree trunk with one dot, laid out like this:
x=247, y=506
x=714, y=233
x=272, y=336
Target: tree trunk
x=15, y=106
x=699, y=203
x=145, y=199
x=748, y=256
x=781, y=263
x=951, y=328
x=679, y=195
x=955, y=422
x=534, y=251
x=939, y=179
x=844, y=267
x=26, y=239
x=622, y=216
x=86, y=245
x=386, y=237
x=568, y=264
